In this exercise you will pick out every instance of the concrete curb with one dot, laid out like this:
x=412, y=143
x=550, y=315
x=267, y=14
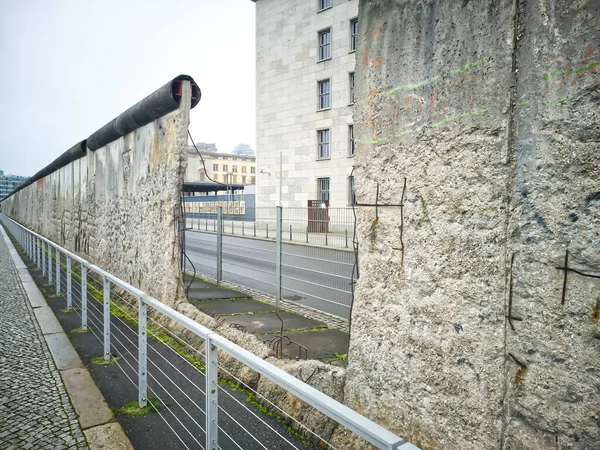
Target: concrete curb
x=94, y=415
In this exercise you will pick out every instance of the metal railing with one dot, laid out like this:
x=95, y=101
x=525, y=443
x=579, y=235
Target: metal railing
x=314, y=276
x=106, y=306
x=327, y=227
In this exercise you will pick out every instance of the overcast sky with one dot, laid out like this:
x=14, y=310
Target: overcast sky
x=70, y=66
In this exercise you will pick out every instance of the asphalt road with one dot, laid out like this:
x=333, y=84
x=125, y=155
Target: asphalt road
x=318, y=277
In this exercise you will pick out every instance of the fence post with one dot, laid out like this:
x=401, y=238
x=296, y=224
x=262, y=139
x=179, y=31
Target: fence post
x=346, y=231
x=106, y=304
x=267, y=230
x=142, y=354
x=212, y=400
x=232, y=232
x=243, y=228
x=43, y=258
x=254, y=227
x=57, y=271
x=38, y=250
x=290, y=232
x=278, y=254
x=49, y=264
x=307, y=235
x=83, y=297
x=205, y=224
x=219, y=244
x=69, y=284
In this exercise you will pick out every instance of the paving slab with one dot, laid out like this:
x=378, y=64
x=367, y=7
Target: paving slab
x=213, y=292
x=107, y=437
x=320, y=344
x=269, y=323
x=62, y=351
x=86, y=398
x=226, y=306
x=47, y=320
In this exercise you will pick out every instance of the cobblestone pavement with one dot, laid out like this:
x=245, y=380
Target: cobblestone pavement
x=35, y=411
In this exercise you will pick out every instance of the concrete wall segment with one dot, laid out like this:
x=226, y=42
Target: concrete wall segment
x=489, y=110
x=106, y=204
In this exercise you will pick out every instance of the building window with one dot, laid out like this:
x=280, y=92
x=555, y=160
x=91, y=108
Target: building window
x=252, y=169
x=351, y=85
x=243, y=179
x=323, y=188
x=323, y=144
x=325, y=44
x=324, y=94
x=351, y=140
x=351, y=193
x=324, y=4
x=215, y=167
x=224, y=167
x=234, y=168
x=353, y=34
x=243, y=169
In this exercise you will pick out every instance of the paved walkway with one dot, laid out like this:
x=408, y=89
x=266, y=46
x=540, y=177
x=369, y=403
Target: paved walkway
x=35, y=410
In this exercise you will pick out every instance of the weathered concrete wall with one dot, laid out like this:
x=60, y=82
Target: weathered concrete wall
x=490, y=110
x=107, y=204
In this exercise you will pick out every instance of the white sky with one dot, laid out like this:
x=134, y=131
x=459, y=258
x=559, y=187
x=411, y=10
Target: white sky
x=69, y=66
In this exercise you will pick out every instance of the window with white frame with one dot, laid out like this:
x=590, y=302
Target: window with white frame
x=351, y=193
x=325, y=44
x=215, y=167
x=243, y=169
x=234, y=168
x=351, y=140
x=353, y=34
x=323, y=188
x=324, y=94
x=323, y=150
x=324, y=4
x=243, y=179
x=252, y=169
x=224, y=167
x=351, y=86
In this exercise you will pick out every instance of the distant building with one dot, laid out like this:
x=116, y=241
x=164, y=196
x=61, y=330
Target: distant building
x=221, y=167
x=305, y=63
x=243, y=149
x=206, y=147
x=8, y=183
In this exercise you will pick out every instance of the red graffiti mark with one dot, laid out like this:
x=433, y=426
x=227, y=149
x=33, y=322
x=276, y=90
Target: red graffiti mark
x=589, y=51
x=377, y=62
x=365, y=58
x=372, y=92
x=376, y=33
x=40, y=183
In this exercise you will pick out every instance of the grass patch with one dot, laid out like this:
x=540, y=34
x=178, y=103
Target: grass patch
x=66, y=310
x=81, y=330
x=337, y=357
x=133, y=409
x=102, y=362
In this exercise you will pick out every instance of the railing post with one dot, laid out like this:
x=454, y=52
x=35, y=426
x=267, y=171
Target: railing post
x=278, y=246
x=307, y=235
x=212, y=399
x=254, y=228
x=106, y=304
x=346, y=231
x=49, y=264
x=69, y=284
x=83, y=297
x=43, y=258
x=142, y=355
x=219, y=244
x=290, y=232
x=57, y=271
x=38, y=250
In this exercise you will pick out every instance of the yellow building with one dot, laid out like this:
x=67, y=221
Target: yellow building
x=221, y=167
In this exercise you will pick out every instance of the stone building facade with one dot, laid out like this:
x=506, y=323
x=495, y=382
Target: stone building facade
x=221, y=167
x=305, y=58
